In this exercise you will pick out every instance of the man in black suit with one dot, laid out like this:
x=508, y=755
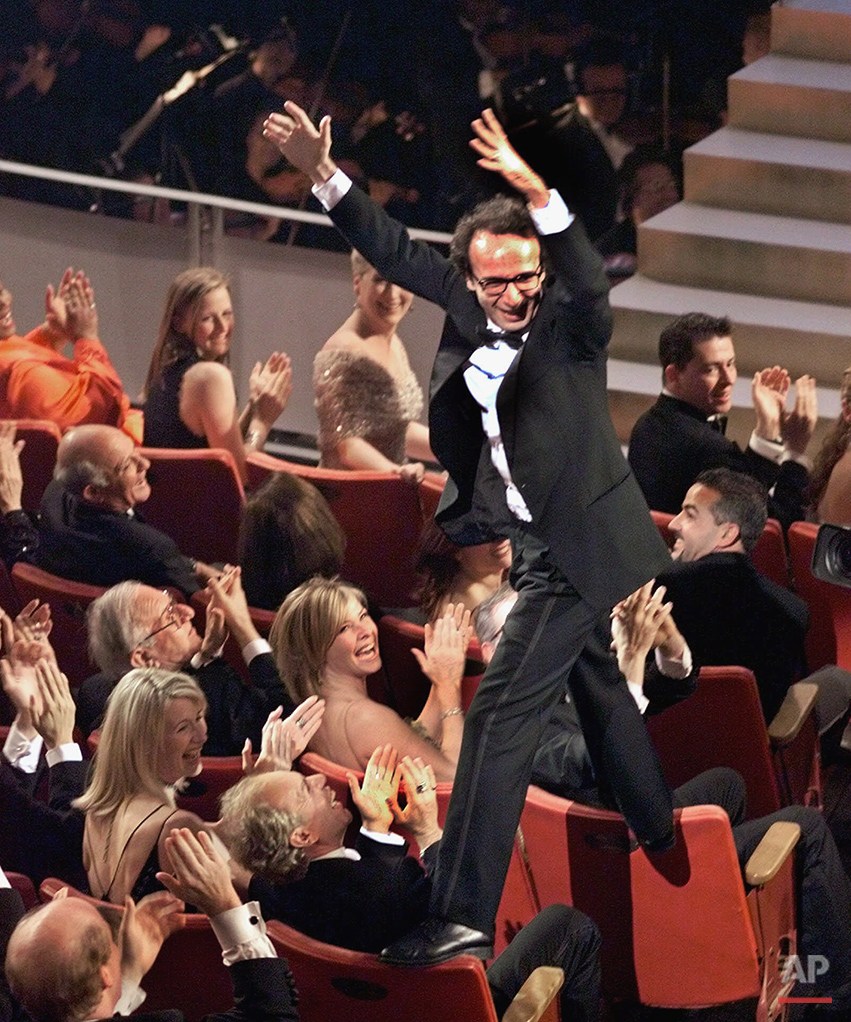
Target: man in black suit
x=64, y=963
x=683, y=433
x=90, y=528
x=135, y=625
x=729, y=612
x=519, y=419
x=287, y=832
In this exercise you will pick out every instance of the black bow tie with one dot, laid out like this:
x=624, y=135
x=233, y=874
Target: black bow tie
x=718, y=423
x=513, y=338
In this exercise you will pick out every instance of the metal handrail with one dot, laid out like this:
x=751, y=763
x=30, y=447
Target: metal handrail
x=193, y=198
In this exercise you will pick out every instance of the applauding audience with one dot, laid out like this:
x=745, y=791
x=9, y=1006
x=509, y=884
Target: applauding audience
x=190, y=399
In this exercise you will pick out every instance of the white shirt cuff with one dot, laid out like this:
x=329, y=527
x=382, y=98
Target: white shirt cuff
x=198, y=660
x=675, y=667
x=254, y=648
x=22, y=752
x=383, y=839
x=637, y=693
x=131, y=997
x=331, y=191
x=68, y=753
x=769, y=449
x=554, y=217
x=241, y=933
x=801, y=459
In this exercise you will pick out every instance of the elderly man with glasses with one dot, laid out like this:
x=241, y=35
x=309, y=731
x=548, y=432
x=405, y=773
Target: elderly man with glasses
x=134, y=625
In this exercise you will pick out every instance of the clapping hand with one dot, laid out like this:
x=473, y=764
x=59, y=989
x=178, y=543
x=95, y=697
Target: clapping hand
x=269, y=387
x=200, y=876
x=797, y=426
x=144, y=929
x=54, y=714
x=419, y=816
x=282, y=741
x=446, y=643
x=375, y=796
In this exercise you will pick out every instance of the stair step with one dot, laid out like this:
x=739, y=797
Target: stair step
x=816, y=29
x=792, y=96
x=775, y=174
x=760, y=254
x=806, y=337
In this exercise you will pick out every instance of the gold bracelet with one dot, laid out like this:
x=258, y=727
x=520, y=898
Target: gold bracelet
x=454, y=712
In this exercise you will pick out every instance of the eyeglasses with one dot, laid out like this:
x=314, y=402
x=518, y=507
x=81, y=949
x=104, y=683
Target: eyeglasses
x=526, y=283
x=171, y=616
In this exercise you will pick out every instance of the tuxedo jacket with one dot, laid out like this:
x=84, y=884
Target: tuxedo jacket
x=263, y=991
x=672, y=443
x=552, y=405
x=363, y=905
x=235, y=711
x=77, y=540
x=731, y=615
x=41, y=839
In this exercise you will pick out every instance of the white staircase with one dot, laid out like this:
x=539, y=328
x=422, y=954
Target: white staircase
x=764, y=232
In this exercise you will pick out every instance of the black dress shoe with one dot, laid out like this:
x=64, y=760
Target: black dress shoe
x=436, y=941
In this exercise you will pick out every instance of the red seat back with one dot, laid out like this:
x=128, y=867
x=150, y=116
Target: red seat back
x=68, y=604
x=676, y=926
x=382, y=517
x=196, y=498
x=721, y=724
x=350, y=986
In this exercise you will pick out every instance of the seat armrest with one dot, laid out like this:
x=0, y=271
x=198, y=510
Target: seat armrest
x=770, y=854
x=796, y=707
x=535, y=996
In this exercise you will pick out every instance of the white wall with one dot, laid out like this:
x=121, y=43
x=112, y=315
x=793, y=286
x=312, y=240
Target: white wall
x=290, y=298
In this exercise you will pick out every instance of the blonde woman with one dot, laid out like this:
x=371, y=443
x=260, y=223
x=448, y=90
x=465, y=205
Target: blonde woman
x=152, y=737
x=325, y=643
x=368, y=399
x=189, y=395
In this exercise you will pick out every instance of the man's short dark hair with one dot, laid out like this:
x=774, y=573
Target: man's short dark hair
x=742, y=501
x=500, y=215
x=677, y=340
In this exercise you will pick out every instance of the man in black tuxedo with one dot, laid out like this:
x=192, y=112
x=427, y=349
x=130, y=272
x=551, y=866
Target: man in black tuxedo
x=90, y=528
x=64, y=963
x=728, y=611
x=135, y=625
x=683, y=432
x=519, y=418
x=287, y=832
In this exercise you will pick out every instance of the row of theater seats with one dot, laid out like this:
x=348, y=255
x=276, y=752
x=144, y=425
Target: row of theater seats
x=688, y=906
x=197, y=498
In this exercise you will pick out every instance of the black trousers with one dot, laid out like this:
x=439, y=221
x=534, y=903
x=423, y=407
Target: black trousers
x=550, y=629
x=559, y=936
